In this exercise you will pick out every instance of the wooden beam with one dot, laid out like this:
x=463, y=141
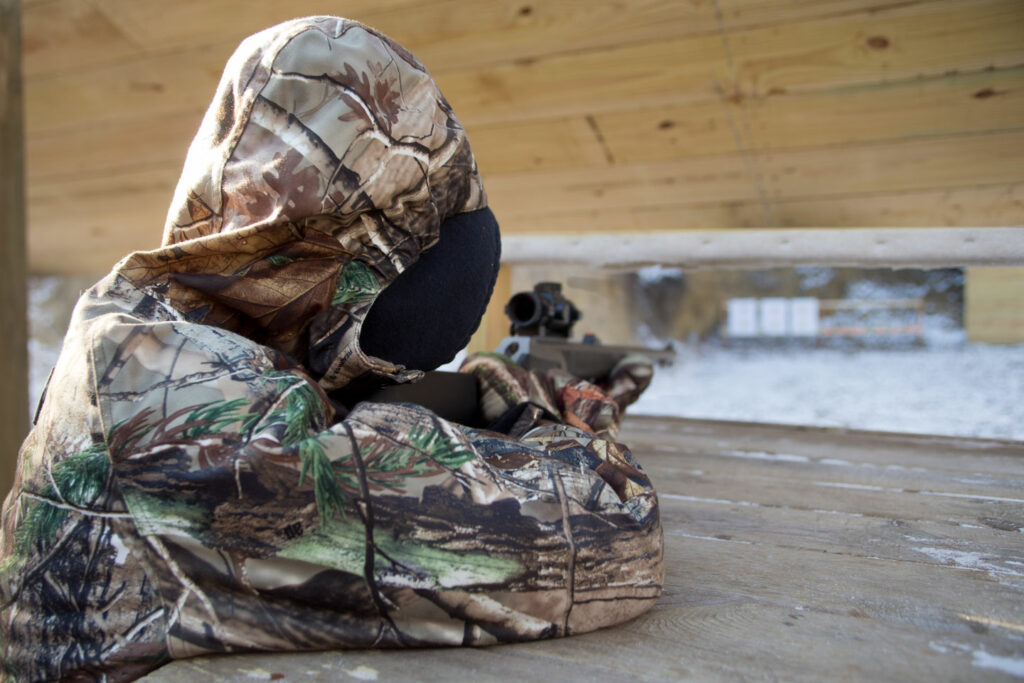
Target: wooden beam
x=895, y=247
x=14, y=419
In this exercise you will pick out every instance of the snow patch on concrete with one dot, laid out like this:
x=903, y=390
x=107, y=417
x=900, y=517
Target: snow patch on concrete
x=971, y=561
x=842, y=485
x=1013, y=666
x=764, y=455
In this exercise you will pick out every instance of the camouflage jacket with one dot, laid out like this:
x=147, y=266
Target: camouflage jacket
x=190, y=488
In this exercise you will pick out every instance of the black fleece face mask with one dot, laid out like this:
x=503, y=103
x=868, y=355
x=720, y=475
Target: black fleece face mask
x=428, y=314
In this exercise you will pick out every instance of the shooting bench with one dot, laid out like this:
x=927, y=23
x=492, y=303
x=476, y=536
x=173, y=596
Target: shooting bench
x=791, y=553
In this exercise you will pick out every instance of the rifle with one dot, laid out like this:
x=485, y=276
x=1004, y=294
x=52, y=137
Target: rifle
x=541, y=323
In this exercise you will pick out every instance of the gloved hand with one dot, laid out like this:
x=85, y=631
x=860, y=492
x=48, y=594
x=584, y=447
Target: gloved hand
x=629, y=379
x=514, y=399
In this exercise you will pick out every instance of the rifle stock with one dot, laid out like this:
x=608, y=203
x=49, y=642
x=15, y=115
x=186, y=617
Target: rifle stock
x=453, y=396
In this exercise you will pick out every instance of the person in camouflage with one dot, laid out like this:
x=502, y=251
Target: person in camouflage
x=190, y=487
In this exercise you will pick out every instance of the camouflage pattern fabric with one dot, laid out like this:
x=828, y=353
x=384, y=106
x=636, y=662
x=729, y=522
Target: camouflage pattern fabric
x=189, y=486
x=557, y=394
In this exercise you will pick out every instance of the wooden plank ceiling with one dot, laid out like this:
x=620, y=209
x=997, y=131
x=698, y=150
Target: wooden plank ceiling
x=585, y=115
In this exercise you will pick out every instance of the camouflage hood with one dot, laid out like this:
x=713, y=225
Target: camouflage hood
x=187, y=488
x=322, y=170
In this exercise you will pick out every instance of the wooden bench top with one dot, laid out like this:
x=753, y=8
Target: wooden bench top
x=792, y=554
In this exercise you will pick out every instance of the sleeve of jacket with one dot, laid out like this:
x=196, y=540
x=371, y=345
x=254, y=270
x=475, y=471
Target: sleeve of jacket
x=271, y=525
x=518, y=398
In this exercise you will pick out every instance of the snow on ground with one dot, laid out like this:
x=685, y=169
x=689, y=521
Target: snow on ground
x=946, y=386
x=43, y=343
x=973, y=390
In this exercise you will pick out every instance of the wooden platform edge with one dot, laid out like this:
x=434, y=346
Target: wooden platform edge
x=632, y=423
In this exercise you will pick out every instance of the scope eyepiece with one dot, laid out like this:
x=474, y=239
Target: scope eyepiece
x=524, y=309
x=544, y=312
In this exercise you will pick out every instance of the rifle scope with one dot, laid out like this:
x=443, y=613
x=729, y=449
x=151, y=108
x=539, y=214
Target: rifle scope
x=544, y=312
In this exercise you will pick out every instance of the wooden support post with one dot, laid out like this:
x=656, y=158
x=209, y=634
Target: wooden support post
x=494, y=327
x=993, y=313
x=13, y=323
x=495, y=318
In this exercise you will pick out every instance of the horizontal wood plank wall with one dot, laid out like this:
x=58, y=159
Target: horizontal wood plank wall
x=585, y=115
